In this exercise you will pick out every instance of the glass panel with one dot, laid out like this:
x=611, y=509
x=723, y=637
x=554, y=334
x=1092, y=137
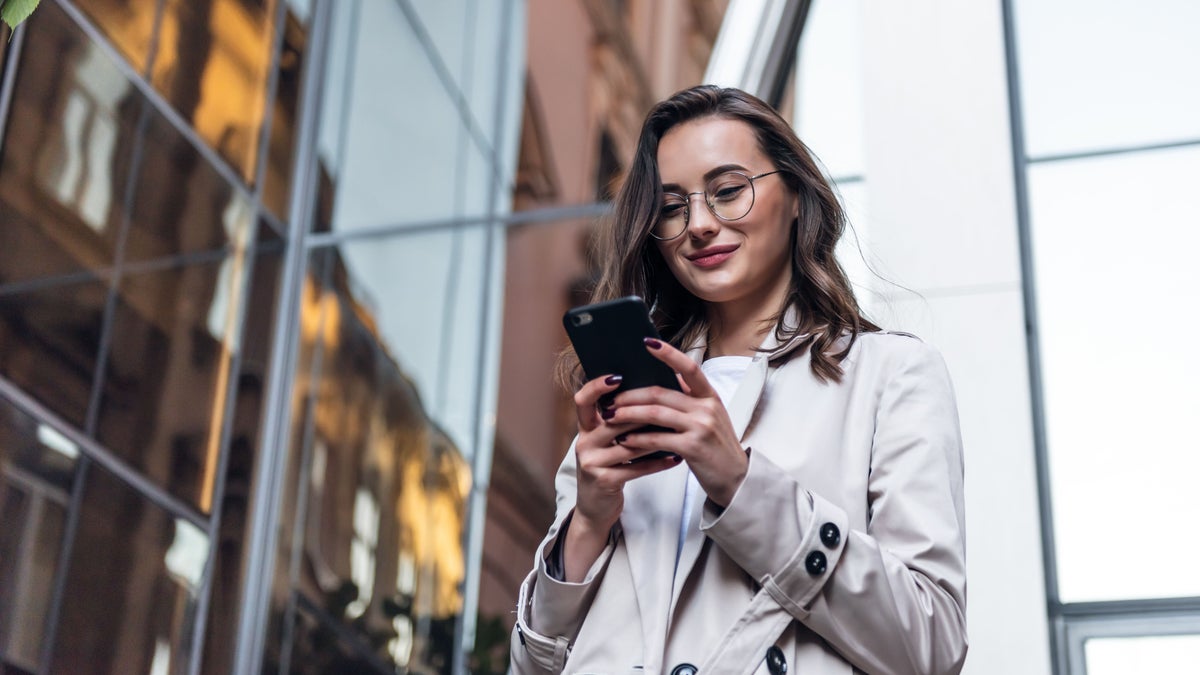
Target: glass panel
x=227, y=582
x=1129, y=78
x=133, y=581
x=212, y=64
x=181, y=204
x=1155, y=654
x=384, y=490
x=37, y=467
x=829, y=86
x=1118, y=372
x=448, y=23
x=129, y=25
x=174, y=335
x=66, y=154
x=49, y=338
x=391, y=162
x=277, y=179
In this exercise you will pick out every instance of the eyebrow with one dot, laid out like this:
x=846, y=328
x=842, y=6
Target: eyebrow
x=709, y=175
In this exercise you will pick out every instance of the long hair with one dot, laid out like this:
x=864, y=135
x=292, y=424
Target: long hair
x=819, y=289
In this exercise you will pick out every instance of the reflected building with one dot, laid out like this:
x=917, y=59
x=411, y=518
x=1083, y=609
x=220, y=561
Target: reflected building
x=248, y=253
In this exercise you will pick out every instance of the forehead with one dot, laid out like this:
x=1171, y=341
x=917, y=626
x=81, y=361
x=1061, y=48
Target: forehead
x=690, y=149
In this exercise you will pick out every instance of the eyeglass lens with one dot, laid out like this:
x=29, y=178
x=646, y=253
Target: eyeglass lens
x=729, y=196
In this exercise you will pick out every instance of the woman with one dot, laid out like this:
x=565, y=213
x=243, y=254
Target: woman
x=816, y=523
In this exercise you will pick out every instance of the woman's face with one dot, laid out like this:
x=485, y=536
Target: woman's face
x=743, y=261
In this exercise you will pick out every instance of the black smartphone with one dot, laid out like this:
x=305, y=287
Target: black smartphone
x=609, y=339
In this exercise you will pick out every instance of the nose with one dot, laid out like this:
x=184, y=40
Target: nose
x=701, y=221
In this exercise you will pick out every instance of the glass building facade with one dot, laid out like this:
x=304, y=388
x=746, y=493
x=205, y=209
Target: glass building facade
x=248, y=319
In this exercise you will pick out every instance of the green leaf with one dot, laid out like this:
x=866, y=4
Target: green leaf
x=13, y=12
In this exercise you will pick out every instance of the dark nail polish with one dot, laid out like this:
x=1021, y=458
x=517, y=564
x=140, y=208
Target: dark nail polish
x=621, y=438
x=676, y=459
x=607, y=413
x=613, y=379
x=652, y=343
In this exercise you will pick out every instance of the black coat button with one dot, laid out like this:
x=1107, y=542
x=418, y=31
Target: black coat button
x=815, y=563
x=831, y=536
x=776, y=661
x=684, y=669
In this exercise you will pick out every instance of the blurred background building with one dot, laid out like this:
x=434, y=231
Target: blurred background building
x=281, y=281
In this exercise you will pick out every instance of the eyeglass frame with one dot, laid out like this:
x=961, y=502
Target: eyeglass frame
x=687, y=201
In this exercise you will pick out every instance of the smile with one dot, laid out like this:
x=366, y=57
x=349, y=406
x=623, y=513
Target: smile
x=713, y=255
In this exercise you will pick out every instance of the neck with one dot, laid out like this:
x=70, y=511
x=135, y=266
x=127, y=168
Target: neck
x=738, y=328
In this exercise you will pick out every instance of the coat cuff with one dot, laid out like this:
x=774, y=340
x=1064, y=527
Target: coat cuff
x=550, y=611
x=792, y=553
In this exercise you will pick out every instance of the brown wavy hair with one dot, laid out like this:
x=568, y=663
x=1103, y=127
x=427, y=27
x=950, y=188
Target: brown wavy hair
x=632, y=265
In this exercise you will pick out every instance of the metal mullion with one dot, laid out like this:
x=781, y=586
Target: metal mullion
x=1109, y=152
x=107, y=273
x=1032, y=339
x=1074, y=610
x=250, y=257
x=104, y=457
x=301, y=511
x=158, y=103
x=533, y=217
x=58, y=591
x=8, y=79
x=484, y=433
x=266, y=489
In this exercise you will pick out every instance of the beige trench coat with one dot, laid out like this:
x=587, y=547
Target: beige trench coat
x=843, y=547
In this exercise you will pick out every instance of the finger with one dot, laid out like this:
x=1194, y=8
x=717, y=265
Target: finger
x=655, y=414
x=588, y=395
x=688, y=370
x=599, y=459
x=653, y=396
x=628, y=471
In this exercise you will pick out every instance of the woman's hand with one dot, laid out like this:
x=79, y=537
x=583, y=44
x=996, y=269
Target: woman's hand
x=703, y=435
x=603, y=468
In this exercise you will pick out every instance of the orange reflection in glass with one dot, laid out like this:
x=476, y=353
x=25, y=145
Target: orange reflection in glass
x=129, y=25
x=212, y=64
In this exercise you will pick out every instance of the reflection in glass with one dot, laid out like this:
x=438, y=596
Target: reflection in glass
x=1103, y=75
x=133, y=582
x=383, y=503
x=212, y=64
x=37, y=467
x=1115, y=308
x=67, y=151
x=49, y=338
x=277, y=179
x=174, y=335
x=392, y=162
x=128, y=25
x=227, y=581
x=1150, y=654
x=181, y=203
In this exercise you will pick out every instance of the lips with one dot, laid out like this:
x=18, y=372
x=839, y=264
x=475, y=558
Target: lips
x=713, y=255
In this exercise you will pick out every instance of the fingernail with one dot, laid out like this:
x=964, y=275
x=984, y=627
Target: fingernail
x=621, y=438
x=652, y=343
x=613, y=379
x=676, y=459
x=607, y=413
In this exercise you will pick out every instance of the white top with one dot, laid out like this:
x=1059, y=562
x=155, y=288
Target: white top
x=724, y=373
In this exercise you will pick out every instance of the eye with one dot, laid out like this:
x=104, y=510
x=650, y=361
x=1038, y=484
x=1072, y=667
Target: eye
x=672, y=208
x=727, y=189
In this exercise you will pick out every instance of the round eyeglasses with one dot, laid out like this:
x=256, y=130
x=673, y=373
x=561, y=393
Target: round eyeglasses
x=729, y=196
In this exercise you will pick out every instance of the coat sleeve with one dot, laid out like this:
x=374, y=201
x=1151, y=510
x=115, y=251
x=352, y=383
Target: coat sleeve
x=550, y=612
x=891, y=599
